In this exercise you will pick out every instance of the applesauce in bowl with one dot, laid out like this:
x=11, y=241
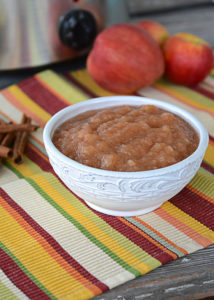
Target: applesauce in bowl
x=126, y=138
x=123, y=193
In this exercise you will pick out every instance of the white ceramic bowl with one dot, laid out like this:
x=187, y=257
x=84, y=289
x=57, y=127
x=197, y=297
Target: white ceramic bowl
x=123, y=193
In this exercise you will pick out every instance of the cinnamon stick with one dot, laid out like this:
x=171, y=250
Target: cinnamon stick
x=1, y=134
x=21, y=141
x=4, y=128
x=8, y=139
x=7, y=142
x=5, y=151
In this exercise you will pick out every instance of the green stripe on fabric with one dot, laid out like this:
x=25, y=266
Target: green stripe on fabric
x=203, y=168
x=32, y=166
x=27, y=272
x=29, y=163
x=6, y=293
x=4, y=119
x=38, y=146
x=155, y=236
x=82, y=229
x=197, y=97
x=118, y=237
x=203, y=182
x=10, y=167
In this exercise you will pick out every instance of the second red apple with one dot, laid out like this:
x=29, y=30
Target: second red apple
x=188, y=59
x=159, y=33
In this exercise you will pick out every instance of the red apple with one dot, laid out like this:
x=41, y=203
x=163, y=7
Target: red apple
x=157, y=31
x=124, y=59
x=188, y=59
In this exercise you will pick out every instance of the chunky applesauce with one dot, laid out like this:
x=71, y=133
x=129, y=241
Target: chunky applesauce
x=126, y=138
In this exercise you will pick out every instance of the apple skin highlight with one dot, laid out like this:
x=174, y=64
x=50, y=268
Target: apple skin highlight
x=124, y=59
x=159, y=33
x=188, y=59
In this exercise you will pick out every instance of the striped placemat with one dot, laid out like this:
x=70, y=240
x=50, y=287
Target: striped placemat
x=52, y=245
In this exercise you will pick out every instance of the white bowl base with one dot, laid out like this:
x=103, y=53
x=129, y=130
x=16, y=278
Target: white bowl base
x=130, y=213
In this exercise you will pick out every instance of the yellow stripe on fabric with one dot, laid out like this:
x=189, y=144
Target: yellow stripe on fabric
x=150, y=261
x=30, y=104
x=185, y=99
x=83, y=77
x=34, y=168
x=25, y=169
x=118, y=249
x=69, y=93
x=32, y=255
x=187, y=95
x=188, y=220
x=209, y=154
x=203, y=116
x=61, y=229
x=5, y=293
x=170, y=232
x=203, y=182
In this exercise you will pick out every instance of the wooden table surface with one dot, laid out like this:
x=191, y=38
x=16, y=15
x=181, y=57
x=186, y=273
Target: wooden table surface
x=191, y=277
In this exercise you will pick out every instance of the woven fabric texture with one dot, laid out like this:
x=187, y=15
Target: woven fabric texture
x=53, y=246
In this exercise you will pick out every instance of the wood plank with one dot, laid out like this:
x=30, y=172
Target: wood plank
x=190, y=277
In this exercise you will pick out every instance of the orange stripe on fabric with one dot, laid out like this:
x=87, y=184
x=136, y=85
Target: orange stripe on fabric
x=162, y=89
x=39, y=152
x=37, y=140
x=57, y=257
x=6, y=116
x=211, y=142
x=22, y=108
x=58, y=95
x=191, y=188
x=160, y=235
x=183, y=227
x=172, y=254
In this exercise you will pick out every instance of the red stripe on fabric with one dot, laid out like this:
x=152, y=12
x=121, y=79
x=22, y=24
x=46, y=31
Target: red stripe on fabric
x=136, y=238
x=195, y=206
x=180, y=99
x=183, y=227
x=53, y=243
x=133, y=236
x=79, y=85
x=41, y=95
x=37, y=159
x=211, y=138
x=204, y=92
x=24, y=109
x=19, y=278
x=207, y=167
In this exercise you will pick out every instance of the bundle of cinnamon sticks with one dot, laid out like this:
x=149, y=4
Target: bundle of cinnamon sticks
x=14, y=137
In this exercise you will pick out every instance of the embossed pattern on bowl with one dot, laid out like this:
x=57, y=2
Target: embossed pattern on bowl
x=123, y=193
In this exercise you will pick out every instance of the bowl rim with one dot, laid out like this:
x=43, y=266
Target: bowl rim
x=190, y=118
